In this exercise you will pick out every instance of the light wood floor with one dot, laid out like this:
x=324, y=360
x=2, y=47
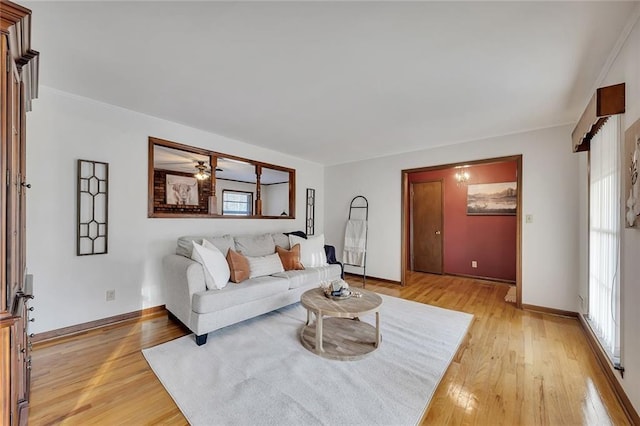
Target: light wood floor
x=515, y=368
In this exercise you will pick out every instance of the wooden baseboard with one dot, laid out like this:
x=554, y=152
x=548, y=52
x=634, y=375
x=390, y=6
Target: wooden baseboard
x=609, y=372
x=79, y=328
x=384, y=280
x=476, y=277
x=551, y=311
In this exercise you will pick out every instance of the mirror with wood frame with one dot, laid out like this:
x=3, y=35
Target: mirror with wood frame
x=188, y=182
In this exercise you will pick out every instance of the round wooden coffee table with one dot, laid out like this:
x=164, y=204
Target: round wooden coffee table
x=342, y=336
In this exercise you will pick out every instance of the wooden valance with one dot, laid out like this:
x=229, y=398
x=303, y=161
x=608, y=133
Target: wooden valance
x=605, y=102
x=15, y=21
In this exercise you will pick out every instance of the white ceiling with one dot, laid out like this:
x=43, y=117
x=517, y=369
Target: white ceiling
x=334, y=82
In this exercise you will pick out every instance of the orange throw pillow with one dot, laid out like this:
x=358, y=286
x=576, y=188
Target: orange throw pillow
x=290, y=258
x=238, y=266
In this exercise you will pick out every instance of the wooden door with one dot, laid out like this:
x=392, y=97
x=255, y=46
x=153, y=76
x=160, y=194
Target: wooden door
x=13, y=238
x=426, y=227
x=7, y=361
x=14, y=251
x=15, y=56
x=4, y=170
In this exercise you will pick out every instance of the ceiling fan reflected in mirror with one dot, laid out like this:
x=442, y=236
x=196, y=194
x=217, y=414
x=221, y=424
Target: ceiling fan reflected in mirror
x=203, y=171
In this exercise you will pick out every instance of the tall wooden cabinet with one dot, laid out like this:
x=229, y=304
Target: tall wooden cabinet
x=18, y=85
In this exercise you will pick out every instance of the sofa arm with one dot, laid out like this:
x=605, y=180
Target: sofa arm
x=330, y=251
x=182, y=278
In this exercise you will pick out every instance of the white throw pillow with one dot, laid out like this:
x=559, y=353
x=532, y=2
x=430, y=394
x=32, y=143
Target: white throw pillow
x=311, y=250
x=261, y=266
x=216, y=268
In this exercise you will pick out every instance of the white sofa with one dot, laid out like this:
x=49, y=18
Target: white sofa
x=203, y=311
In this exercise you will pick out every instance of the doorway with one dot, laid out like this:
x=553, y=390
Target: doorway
x=478, y=244
x=426, y=227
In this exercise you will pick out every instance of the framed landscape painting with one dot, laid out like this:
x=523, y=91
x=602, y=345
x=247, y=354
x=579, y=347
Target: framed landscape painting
x=492, y=198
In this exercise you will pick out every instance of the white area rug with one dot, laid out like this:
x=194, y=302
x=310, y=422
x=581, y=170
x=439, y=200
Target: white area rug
x=257, y=372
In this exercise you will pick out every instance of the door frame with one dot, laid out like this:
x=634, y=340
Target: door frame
x=409, y=264
x=405, y=214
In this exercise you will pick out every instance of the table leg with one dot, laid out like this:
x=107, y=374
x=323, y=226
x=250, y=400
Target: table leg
x=377, y=329
x=319, y=347
x=308, y=316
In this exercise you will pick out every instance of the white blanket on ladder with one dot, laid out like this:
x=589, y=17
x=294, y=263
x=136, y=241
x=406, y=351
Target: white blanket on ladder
x=355, y=242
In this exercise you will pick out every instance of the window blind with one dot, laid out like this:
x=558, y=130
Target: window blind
x=604, y=236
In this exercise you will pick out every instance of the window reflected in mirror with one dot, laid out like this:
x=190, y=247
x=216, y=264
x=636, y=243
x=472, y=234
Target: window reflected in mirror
x=237, y=203
x=235, y=176
x=186, y=181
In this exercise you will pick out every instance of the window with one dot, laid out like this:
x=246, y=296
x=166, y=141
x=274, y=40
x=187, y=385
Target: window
x=237, y=203
x=604, y=236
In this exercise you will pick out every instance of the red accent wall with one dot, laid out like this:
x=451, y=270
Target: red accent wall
x=489, y=240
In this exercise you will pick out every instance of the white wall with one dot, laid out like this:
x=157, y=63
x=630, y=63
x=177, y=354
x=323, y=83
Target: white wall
x=70, y=290
x=583, y=235
x=276, y=199
x=626, y=68
x=550, y=181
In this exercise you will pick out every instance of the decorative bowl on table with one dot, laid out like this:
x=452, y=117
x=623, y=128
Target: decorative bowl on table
x=338, y=290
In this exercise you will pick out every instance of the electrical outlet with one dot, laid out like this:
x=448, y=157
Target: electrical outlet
x=528, y=218
x=474, y=264
x=111, y=295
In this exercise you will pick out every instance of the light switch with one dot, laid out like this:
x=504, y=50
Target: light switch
x=528, y=218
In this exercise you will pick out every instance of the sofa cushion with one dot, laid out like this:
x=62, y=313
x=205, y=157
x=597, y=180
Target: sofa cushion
x=216, y=268
x=290, y=258
x=310, y=276
x=259, y=266
x=224, y=243
x=329, y=272
x=300, y=278
x=281, y=240
x=255, y=245
x=233, y=295
x=312, y=252
x=238, y=266
x=185, y=246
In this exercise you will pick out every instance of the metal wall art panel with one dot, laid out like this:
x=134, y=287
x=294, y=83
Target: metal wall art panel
x=311, y=211
x=93, y=207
